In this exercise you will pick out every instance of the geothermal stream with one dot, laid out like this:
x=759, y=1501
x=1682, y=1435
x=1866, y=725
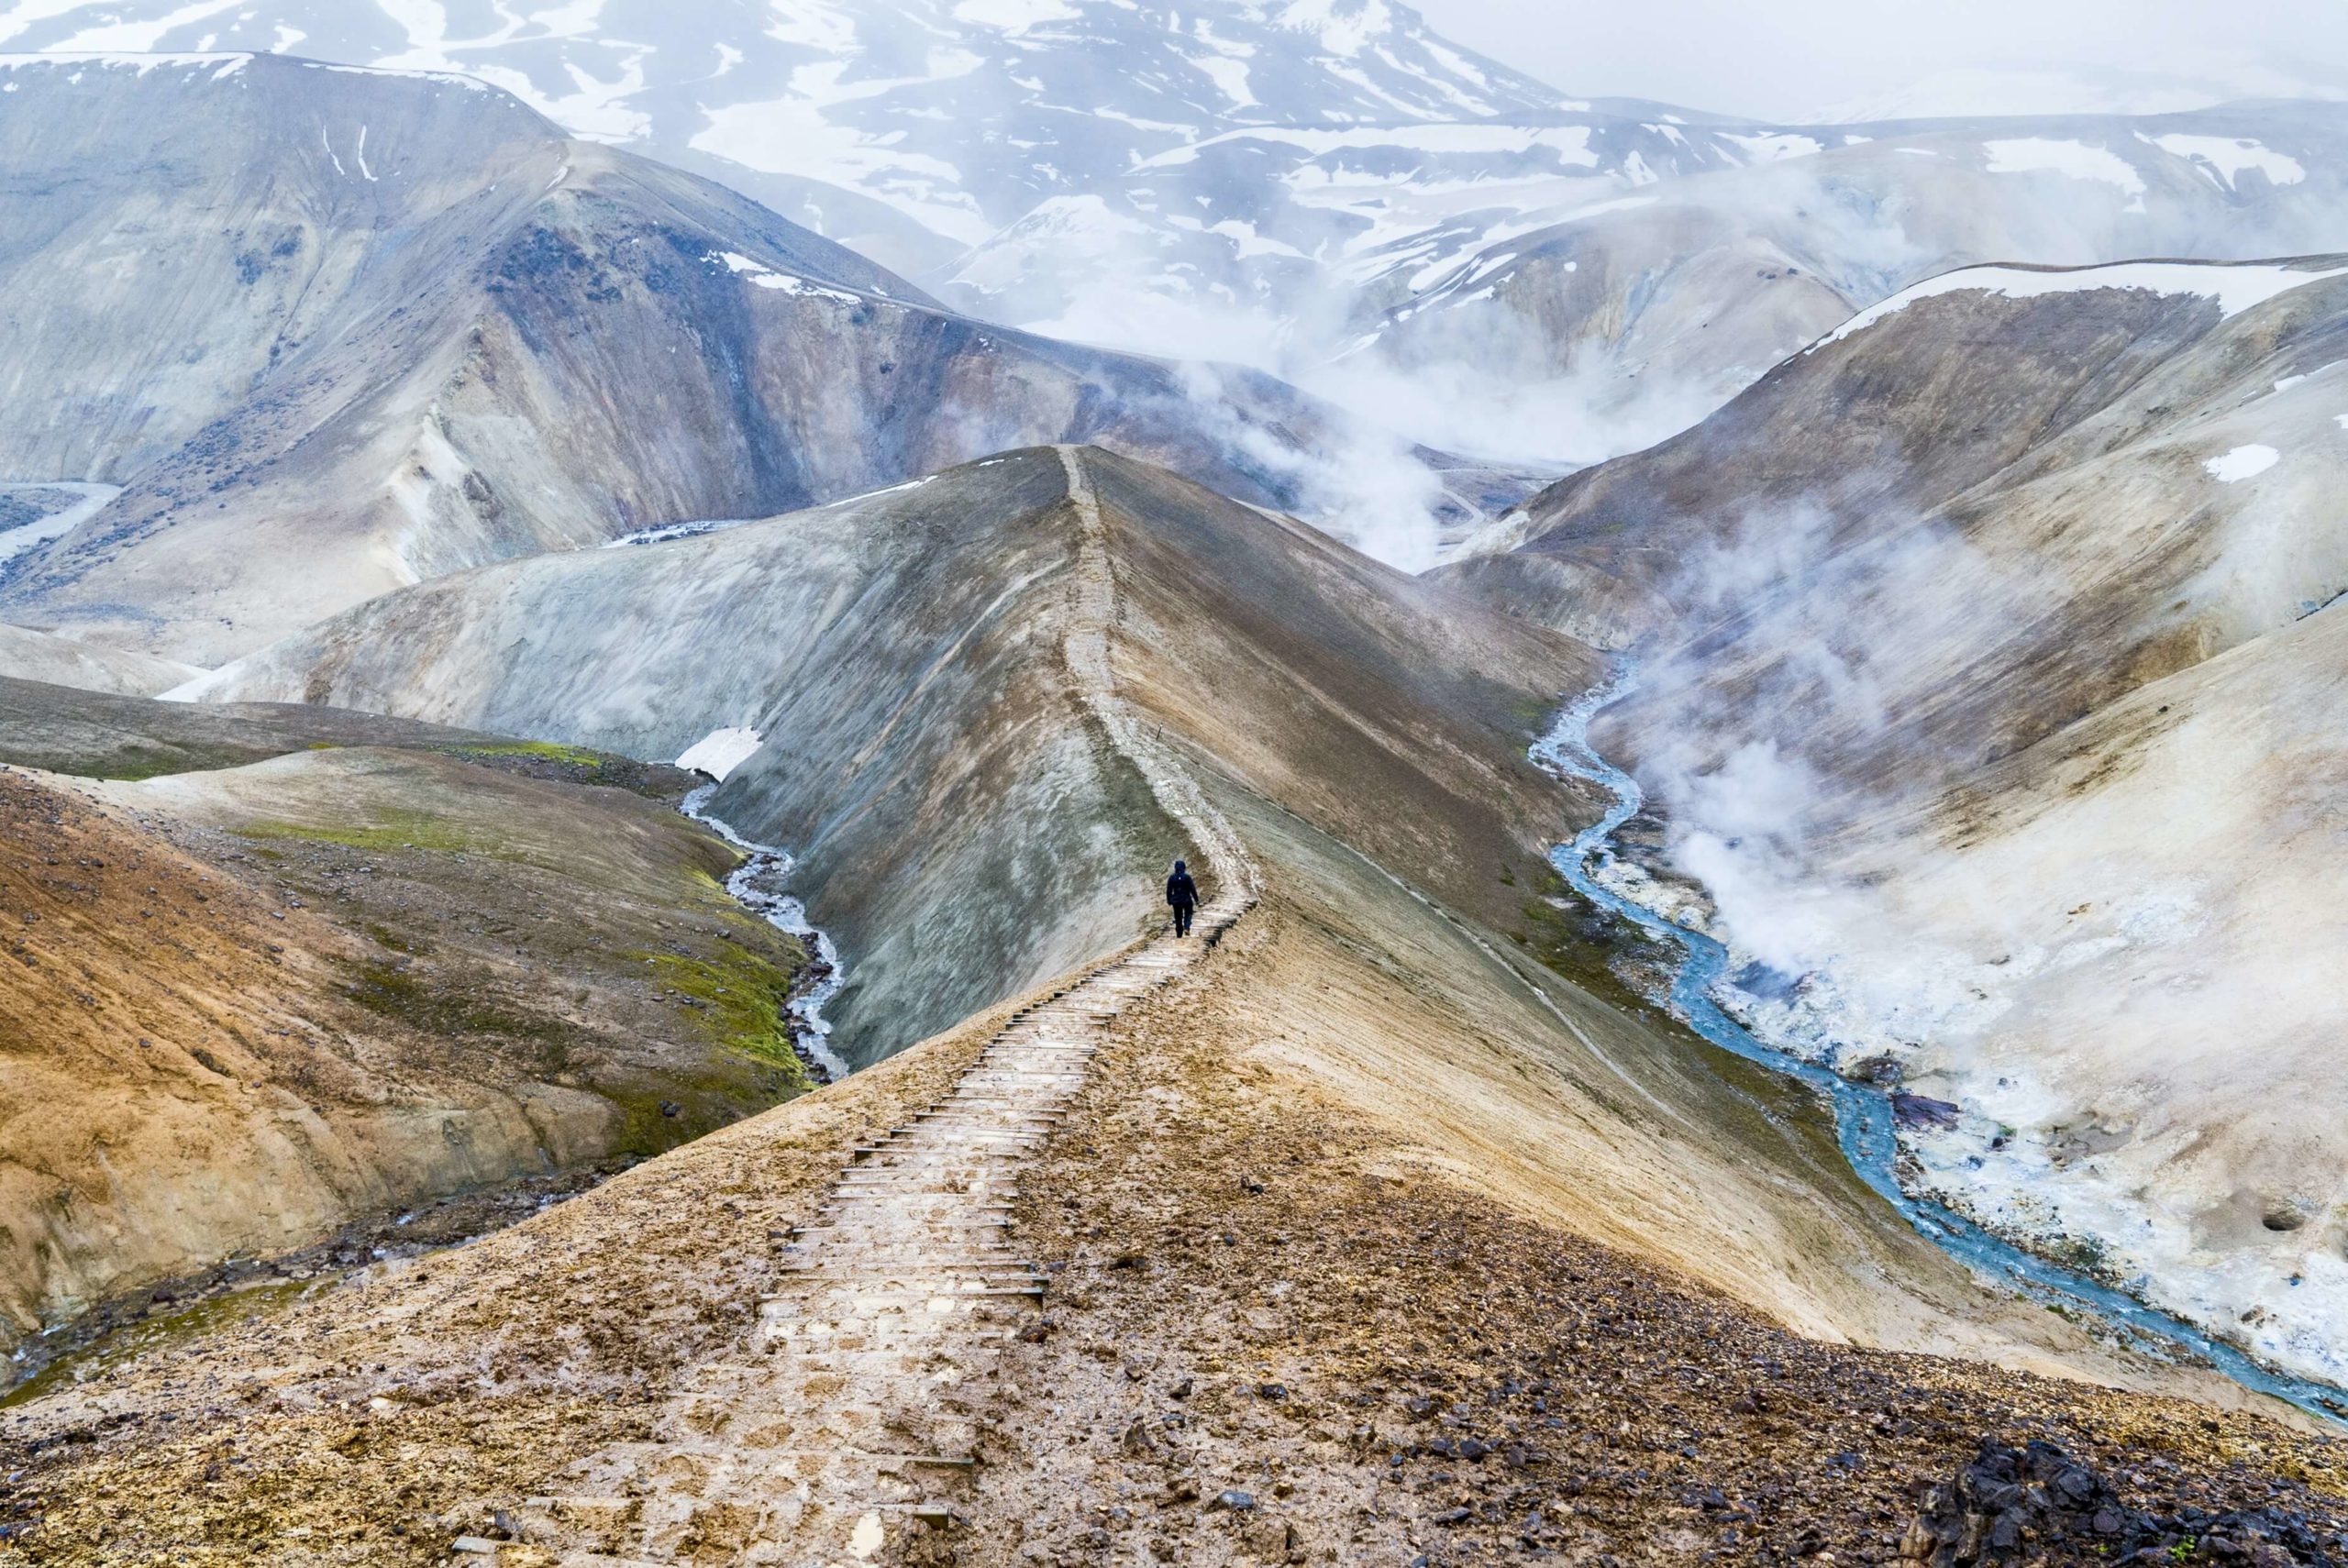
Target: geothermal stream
x=1863, y=1119
x=757, y=885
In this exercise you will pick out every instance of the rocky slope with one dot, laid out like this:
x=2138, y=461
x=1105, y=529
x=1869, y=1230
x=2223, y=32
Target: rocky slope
x=318, y=979
x=1985, y=690
x=471, y=339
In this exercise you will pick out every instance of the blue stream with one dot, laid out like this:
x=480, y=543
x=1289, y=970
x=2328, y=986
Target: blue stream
x=1863, y=1124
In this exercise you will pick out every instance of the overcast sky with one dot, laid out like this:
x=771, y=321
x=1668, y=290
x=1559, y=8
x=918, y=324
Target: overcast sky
x=1791, y=58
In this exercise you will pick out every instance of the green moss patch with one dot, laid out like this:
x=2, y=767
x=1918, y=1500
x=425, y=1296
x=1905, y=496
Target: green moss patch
x=553, y=761
x=1586, y=943
x=544, y=751
x=403, y=993
x=742, y=1001
x=390, y=830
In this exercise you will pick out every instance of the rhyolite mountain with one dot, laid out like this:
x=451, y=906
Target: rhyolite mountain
x=275, y=972
x=1988, y=685
x=993, y=708
x=932, y=747
x=1583, y=281
x=1986, y=693
x=334, y=330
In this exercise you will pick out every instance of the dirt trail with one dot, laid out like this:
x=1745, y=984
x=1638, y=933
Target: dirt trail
x=870, y=1381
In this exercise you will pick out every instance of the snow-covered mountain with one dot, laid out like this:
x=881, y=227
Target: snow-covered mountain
x=1581, y=283
x=1643, y=312
x=912, y=129
x=1323, y=189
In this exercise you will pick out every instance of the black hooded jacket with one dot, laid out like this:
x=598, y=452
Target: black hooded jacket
x=1181, y=892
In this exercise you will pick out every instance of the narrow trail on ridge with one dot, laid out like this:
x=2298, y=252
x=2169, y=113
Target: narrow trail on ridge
x=855, y=1410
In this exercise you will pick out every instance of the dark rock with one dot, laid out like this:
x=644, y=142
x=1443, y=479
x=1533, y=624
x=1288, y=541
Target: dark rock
x=1234, y=1501
x=1917, y=1111
x=669, y=1107
x=2007, y=1503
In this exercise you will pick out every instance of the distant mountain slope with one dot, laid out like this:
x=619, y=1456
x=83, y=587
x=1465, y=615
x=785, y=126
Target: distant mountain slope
x=1662, y=305
x=391, y=326
x=1571, y=285
x=1325, y=189
x=1989, y=685
x=28, y=655
x=909, y=128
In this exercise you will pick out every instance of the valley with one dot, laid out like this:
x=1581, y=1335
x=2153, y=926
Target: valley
x=1867, y=1121
x=613, y=616
x=1904, y=875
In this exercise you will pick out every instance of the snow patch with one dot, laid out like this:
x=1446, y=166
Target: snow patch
x=1013, y=15
x=2235, y=288
x=1230, y=79
x=1339, y=33
x=796, y=133
x=720, y=752
x=56, y=524
x=663, y=532
x=2073, y=160
x=2225, y=158
x=124, y=37
x=766, y=277
x=1774, y=147
x=2242, y=463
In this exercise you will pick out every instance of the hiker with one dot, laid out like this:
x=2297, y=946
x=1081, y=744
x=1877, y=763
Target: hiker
x=1184, y=894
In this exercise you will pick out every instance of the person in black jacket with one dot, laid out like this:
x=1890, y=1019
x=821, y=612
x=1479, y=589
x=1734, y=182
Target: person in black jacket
x=1184, y=894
